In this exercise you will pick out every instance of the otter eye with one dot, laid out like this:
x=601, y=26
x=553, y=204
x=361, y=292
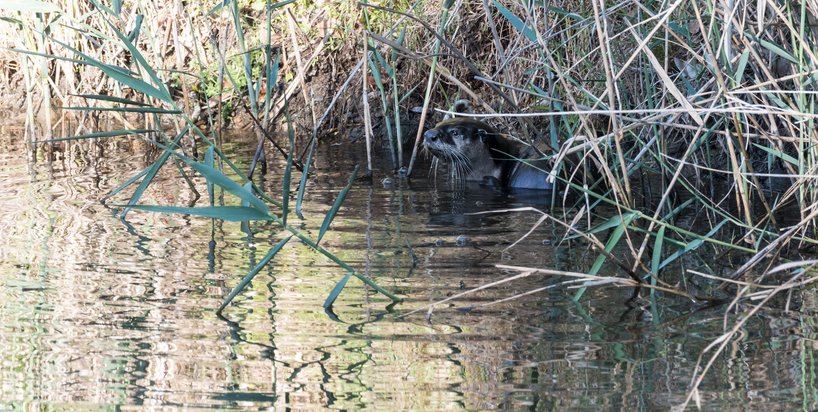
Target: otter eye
x=455, y=133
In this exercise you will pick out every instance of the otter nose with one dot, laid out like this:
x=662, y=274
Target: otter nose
x=430, y=136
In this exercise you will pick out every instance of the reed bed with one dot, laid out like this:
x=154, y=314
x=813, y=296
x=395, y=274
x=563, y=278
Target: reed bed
x=674, y=129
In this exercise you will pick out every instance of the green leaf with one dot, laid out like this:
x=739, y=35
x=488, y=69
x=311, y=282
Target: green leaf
x=337, y=205
x=110, y=133
x=336, y=291
x=613, y=240
x=612, y=222
x=779, y=154
x=245, y=55
x=157, y=110
x=228, y=213
x=382, y=63
x=281, y=4
x=401, y=38
x=209, y=160
x=107, y=98
x=516, y=22
x=221, y=180
x=657, y=251
x=218, y=7
x=571, y=15
x=249, y=277
x=272, y=78
x=740, y=66
x=303, y=185
x=140, y=59
x=120, y=77
x=285, y=184
x=152, y=171
x=376, y=74
x=692, y=245
x=30, y=6
x=776, y=49
x=126, y=184
x=133, y=36
x=46, y=55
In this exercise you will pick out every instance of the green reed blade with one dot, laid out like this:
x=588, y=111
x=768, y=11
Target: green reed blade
x=105, y=9
x=376, y=75
x=336, y=291
x=776, y=49
x=613, y=240
x=779, y=154
x=272, y=78
x=140, y=59
x=285, y=183
x=303, y=184
x=133, y=36
x=248, y=65
x=157, y=110
x=107, y=98
x=110, y=133
x=612, y=222
x=249, y=277
x=248, y=187
x=227, y=213
x=337, y=205
x=218, y=7
x=220, y=179
x=127, y=183
x=46, y=55
x=569, y=14
x=693, y=245
x=401, y=39
x=658, y=244
x=152, y=171
x=281, y=4
x=740, y=66
x=383, y=64
x=209, y=160
x=120, y=77
x=515, y=21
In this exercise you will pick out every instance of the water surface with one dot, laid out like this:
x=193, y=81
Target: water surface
x=98, y=312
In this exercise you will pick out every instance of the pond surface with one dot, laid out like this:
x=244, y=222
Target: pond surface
x=98, y=312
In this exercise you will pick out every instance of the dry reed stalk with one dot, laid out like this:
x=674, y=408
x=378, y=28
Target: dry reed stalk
x=721, y=342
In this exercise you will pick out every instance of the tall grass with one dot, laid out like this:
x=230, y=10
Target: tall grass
x=683, y=127
x=128, y=51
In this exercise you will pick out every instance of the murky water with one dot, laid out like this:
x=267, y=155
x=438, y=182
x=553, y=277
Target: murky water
x=96, y=312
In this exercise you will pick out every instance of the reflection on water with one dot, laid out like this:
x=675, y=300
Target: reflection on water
x=97, y=312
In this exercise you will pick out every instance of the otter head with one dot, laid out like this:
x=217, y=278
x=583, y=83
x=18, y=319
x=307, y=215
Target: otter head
x=466, y=145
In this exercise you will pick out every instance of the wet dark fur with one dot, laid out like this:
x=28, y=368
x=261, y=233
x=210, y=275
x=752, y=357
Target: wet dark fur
x=476, y=152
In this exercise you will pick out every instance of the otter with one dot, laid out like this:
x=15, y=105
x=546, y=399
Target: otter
x=477, y=152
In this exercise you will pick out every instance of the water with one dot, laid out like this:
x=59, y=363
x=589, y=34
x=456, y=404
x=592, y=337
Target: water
x=97, y=313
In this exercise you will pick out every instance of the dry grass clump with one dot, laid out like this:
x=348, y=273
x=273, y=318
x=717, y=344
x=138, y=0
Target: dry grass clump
x=694, y=122
x=696, y=100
